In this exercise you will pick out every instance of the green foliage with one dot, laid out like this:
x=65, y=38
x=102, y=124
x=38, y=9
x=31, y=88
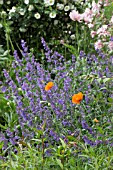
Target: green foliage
x=31, y=158
x=109, y=11
x=21, y=17
x=8, y=117
x=5, y=60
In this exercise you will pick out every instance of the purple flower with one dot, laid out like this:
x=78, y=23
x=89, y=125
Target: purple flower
x=34, y=106
x=25, y=48
x=88, y=141
x=86, y=126
x=111, y=38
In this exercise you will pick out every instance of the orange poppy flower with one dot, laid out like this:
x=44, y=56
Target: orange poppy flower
x=49, y=86
x=76, y=98
x=95, y=120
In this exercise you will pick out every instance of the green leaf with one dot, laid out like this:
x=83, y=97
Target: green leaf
x=36, y=1
x=99, y=80
x=106, y=79
x=71, y=49
x=60, y=148
x=108, y=11
x=37, y=140
x=100, y=130
x=63, y=143
x=110, y=100
x=103, y=88
x=44, y=124
x=59, y=163
x=3, y=127
x=71, y=138
x=39, y=132
x=4, y=165
x=5, y=58
x=84, y=156
x=1, y=144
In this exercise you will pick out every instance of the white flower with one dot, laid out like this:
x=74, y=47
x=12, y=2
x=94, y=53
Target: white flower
x=52, y=14
x=49, y=104
x=55, y=22
x=72, y=36
x=8, y=103
x=1, y=25
x=60, y=6
x=22, y=29
x=12, y=10
x=105, y=26
x=8, y=2
x=1, y=2
x=31, y=7
x=26, y=2
x=37, y=15
x=67, y=8
x=22, y=11
x=9, y=17
x=19, y=89
x=3, y=13
x=49, y=2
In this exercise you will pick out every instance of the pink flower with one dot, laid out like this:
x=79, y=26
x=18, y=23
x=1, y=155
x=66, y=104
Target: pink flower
x=90, y=25
x=93, y=33
x=62, y=41
x=75, y=16
x=106, y=3
x=98, y=44
x=87, y=19
x=95, y=7
x=87, y=15
x=103, y=31
x=88, y=11
x=110, y=45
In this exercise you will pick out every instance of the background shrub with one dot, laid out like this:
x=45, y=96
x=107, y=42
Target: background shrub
x=31, y=20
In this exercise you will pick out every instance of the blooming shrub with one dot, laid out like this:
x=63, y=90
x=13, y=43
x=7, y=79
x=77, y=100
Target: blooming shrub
x=51, y=19
x=99, y=22
x=66, y=104
x=33, y=19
